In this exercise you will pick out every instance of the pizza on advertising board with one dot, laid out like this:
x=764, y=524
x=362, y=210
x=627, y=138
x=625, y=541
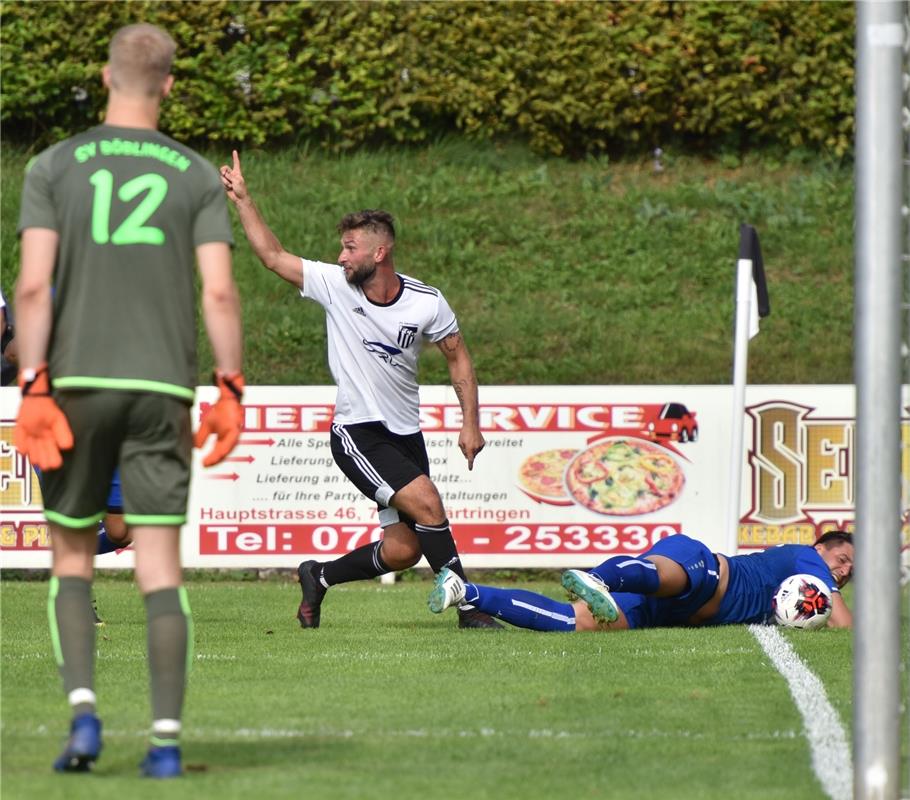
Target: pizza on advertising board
x=543, y=474
x=624, y=477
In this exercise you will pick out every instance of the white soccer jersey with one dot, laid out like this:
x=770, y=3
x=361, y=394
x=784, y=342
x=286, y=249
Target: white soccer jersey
x=374, y=347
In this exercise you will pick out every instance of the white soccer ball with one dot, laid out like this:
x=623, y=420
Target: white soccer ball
x=802, y=601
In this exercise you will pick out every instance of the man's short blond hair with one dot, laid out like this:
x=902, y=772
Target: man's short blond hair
x=140, y=59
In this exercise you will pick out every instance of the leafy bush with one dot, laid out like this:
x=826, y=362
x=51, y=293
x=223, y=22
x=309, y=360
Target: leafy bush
x=571, y=78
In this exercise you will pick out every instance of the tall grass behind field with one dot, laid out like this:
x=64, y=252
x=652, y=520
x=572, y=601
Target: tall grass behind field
x=560, y=272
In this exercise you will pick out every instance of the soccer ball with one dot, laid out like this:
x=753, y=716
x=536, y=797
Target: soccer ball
x=802, y=601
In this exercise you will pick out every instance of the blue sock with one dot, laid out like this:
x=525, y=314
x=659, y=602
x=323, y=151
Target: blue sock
x=627, y=574
x=522, y=608
x=105, y=545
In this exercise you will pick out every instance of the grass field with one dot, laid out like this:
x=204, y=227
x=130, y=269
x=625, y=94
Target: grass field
x=561, y=272
x=388, y=701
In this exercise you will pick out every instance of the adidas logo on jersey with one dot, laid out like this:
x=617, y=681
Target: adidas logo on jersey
x=359, y=310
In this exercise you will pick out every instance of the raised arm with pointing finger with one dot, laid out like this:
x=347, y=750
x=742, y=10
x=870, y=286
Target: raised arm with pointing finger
x=264, y=243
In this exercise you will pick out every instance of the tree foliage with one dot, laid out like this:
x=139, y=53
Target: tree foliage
x=572, y=78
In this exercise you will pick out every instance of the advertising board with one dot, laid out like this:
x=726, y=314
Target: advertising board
x=569, y=476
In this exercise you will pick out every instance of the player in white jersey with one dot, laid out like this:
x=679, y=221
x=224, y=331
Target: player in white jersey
x=377, y=320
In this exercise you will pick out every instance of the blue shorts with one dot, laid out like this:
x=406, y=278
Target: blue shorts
x=701, y=566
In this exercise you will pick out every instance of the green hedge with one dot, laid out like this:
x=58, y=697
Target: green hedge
x=570, y=77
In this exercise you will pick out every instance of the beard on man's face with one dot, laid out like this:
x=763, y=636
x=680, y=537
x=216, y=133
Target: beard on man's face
x=359, y=275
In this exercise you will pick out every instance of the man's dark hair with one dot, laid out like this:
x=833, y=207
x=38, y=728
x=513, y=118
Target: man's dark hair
x=371, y=219
x=832, y=538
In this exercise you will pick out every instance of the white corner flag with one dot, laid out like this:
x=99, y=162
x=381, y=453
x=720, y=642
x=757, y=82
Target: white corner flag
x=752, y=304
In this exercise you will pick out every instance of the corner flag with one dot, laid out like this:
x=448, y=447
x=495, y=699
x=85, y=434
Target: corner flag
x=751, y=304
x=750, y=250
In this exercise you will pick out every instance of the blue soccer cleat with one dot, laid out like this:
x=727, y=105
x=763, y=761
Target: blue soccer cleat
x=83, y=746
x=589, y=588
x=161, y=762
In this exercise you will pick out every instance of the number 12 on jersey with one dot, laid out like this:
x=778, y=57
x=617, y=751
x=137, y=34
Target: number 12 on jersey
x=133, y=229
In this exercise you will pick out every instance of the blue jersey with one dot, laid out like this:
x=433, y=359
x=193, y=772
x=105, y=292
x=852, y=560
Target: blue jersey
x=115, y=497
x=753, y=580
x=755, y=577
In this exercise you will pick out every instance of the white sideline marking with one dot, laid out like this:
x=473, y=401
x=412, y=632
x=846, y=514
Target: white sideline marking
x=832, y=761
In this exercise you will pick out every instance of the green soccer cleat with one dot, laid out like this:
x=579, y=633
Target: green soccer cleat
x=448, y=590
x=591, y=590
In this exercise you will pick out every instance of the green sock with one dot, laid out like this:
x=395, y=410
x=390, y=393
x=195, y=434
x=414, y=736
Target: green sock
x=169, y=653
x=69, y=611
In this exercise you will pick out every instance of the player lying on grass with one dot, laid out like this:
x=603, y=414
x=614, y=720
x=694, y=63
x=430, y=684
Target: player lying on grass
x=679, y=582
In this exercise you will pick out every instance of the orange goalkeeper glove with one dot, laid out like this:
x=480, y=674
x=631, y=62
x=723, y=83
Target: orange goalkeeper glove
x=224, y=419
x=42, y=430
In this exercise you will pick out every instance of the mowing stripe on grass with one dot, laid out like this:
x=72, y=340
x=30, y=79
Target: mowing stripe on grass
x=205, y=733
x=831, y=758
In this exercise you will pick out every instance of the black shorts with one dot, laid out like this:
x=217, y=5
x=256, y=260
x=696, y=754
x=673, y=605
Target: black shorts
x=149, y=435
x=379, y=462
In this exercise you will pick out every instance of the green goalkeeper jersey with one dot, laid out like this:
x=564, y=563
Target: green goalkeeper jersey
x=130, y=206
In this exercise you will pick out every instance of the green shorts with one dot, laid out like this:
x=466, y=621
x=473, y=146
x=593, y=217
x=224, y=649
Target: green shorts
x=148, y=435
